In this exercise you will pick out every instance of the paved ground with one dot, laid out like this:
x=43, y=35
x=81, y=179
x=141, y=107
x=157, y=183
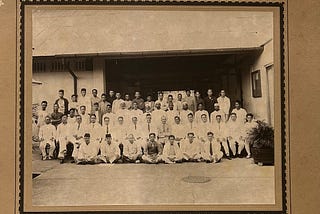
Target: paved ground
x=236, y=181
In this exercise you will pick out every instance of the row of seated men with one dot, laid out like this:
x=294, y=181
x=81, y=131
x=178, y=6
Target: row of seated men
x=227, y=135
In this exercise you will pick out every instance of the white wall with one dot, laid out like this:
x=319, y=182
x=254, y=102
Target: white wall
x=53, y=81
x=258, y=105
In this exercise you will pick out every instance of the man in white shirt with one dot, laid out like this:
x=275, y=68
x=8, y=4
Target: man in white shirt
x=205, y=150
x=171, y=151
x=241, y=112
x=110, y=151
x=112, y=116
x=148, y=126
x=72, y=115
x=94, y=98
x=73, y=103
x=215, y=148
x=96, y=111
x=190, y=148
x=84, y=100
x=190, y=100
x=107, y=126
x=220, y=134
x=171, y=113
x=79, y=129
x=217, y=111
x=95, y=129
x=124, y=112
x=116, y=103
x=131, y=151
x=224, y=103
x=157, y=113
x=184, y=113
x=135, y=112
x=120, y=131
x=248, y=126
x=135, y=128
x=64, y=136
x=84, y=115
x=199, y=112
x=47, y=136
x=190, y=125
x=42, y=113
x=203, y=127
x=88, y=151
x=178, y=130
x=179, y=102
x=163, y=130
x=234, y=133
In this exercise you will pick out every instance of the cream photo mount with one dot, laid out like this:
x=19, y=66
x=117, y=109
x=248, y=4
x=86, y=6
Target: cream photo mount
x=281, y=117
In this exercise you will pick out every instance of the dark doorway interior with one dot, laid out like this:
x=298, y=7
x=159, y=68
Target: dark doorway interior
x=197, y=72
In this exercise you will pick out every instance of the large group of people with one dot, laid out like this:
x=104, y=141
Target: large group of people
x=114, y=128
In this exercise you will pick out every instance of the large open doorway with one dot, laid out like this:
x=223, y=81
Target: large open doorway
x=174, y=72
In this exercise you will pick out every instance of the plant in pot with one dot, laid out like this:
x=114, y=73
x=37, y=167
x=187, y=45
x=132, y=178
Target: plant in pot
x=261, y=139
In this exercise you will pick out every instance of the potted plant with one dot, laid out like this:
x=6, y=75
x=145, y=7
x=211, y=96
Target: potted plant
x=261, y=139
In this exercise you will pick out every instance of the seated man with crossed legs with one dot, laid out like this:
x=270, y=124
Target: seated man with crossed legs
x=131, y=150
x=110, y=151
x=88, y=151
x=190, y=149
x=171, y=151
x=153, y=151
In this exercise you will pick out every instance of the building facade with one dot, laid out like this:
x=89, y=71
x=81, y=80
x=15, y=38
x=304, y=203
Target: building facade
x=154, y=50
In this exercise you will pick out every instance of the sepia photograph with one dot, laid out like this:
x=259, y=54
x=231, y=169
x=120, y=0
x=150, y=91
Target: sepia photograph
x=154, y=106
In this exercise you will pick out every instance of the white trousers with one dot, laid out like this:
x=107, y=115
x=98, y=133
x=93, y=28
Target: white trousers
x=43, y=145
x=232, y=143
x=225, y=146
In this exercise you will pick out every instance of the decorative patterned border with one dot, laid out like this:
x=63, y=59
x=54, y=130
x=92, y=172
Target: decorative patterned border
x=270, y=3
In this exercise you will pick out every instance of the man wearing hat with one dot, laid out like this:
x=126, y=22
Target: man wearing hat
x=190, y=148
x=88, y=151
x=153, y=152
x=110, y=151
x=131, y=150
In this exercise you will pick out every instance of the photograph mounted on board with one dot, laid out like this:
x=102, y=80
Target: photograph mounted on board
x=154, y=106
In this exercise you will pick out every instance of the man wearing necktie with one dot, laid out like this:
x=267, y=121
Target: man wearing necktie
x=163, y=130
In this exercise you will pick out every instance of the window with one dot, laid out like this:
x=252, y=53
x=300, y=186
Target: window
x=256, y=84
x=38, y=66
